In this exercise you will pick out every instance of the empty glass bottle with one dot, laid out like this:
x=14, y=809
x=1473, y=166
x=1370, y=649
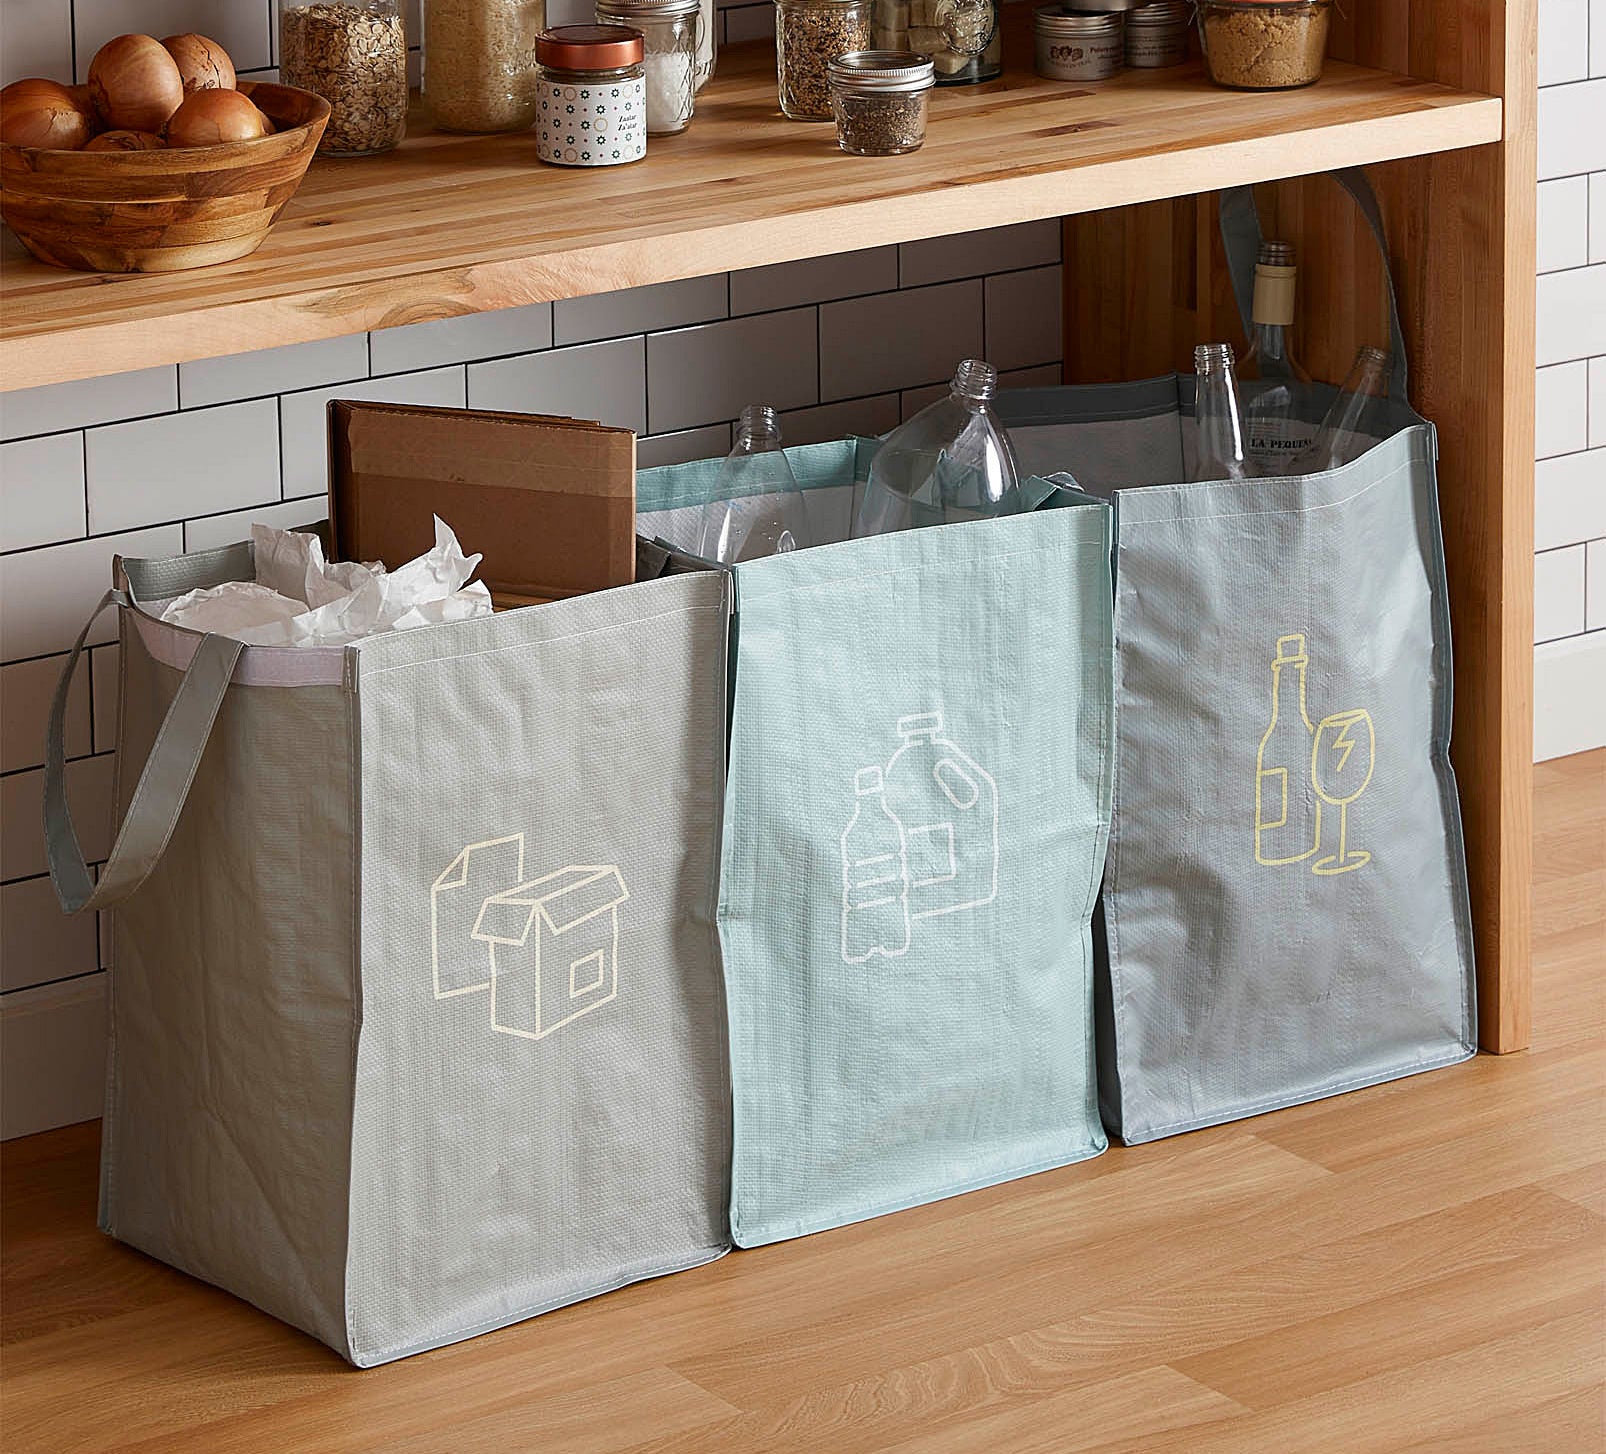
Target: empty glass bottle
x=1355, y=421
x=1272, y=384
x=759, y=509
x=1220, y=434
x=953, y=461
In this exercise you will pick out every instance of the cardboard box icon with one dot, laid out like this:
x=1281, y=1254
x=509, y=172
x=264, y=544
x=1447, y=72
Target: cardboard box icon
x=554, y=945
x=456, y=899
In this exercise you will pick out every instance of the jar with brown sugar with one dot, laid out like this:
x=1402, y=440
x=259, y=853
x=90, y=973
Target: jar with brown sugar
x=1264, y=45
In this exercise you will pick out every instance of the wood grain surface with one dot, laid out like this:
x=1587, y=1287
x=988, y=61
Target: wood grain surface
x=1417, y=1266
x=449, y=225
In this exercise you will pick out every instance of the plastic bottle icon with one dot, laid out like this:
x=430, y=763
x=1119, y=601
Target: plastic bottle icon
x=875, y=876
x=948, y=806
x=1286, y=814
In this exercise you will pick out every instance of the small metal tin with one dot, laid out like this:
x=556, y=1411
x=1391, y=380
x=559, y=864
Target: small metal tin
x=1077, y=45
x=1157, y=35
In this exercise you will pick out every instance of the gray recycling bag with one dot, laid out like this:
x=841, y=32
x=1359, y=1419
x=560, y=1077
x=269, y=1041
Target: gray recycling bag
x=1285, y=911
x=417, y=1022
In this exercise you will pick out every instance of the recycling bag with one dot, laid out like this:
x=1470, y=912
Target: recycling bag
x=416, y=1019
x=914, y=829
x=1285, y=911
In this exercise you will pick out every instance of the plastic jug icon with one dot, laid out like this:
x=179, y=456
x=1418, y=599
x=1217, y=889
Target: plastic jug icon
x=875, y=876
x=948, y=807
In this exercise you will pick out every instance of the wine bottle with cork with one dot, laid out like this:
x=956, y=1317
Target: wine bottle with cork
x=1273, y=384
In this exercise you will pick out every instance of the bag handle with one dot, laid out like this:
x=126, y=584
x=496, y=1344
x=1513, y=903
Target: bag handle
x=164, y=782
x=1240, y=232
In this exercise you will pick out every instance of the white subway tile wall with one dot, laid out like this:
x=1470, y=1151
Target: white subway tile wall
x=1570, y=422
x=171, y=459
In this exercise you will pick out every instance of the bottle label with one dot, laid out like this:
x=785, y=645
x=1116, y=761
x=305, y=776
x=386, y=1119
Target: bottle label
x=1274, y=441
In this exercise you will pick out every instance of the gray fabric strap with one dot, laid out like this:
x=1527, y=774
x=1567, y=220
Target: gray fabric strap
x=163, y=784
x=1240, y=232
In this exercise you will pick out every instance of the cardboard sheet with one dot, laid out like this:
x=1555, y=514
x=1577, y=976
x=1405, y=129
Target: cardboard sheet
x=551, y=503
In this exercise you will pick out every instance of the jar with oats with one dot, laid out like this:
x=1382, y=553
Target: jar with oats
x=353, y=53
x=809, y=35
x=479, y=63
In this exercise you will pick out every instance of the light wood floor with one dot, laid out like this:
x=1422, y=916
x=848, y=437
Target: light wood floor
x=1417, y=1266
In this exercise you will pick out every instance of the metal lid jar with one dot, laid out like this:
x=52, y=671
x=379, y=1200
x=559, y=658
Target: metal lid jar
x=593, y=96
x=880, y=100
x=1078, y=46
x=1264, y=45
x=1157, y=35
x=671, y=30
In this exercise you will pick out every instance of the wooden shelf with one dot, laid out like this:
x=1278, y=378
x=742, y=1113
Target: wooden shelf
x=449, y=225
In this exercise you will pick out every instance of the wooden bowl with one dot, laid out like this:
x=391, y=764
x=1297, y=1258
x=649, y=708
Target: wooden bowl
x=161, y=211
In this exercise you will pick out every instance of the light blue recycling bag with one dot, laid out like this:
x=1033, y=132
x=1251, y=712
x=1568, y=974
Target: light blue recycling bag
x=914, y=832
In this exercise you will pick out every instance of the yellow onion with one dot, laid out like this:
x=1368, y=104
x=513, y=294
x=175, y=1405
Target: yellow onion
x=135, y=83
x=209, y=118
x=203, y=64
x=37, y=112
x=126, y=141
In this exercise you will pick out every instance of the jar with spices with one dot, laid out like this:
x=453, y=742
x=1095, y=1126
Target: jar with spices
x=669, y=30
x=479, y=63
x=809, y=35
x=592, y=95
x=353, y=53
x=962, y=37
x=1157, y=35
x=1078, y=47
x=880, y=99
x=1264, y=45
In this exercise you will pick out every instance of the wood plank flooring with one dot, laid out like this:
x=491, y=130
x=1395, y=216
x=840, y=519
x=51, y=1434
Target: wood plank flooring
x=1420, y=1266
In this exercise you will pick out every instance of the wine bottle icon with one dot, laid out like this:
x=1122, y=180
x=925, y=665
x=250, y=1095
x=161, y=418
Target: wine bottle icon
x=1285, y=815
x=1341, y=764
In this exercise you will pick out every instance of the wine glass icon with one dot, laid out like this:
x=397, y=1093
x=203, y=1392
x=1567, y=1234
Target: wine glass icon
x=1341, y=763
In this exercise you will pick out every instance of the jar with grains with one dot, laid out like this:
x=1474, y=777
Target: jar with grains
x=880, y=99
x=809, y=35
x=1157, y=35
x=669, y=31
x=1264, y=45
x=593, y=96
x=962, y=37
x=353, y=53
x=479, y=63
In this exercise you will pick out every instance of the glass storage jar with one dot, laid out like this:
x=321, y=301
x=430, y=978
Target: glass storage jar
x=880, y=99
x=669, y=30
x=962, y=37
x=1078, y=47
x=353, y=53
x=1157, y=35
x=708, y=42
x=479, y=63
x=592, y=95
x=809, y=35
x=1264, y=45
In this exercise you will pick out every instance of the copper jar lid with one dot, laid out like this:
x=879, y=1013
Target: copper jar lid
x=589, y=47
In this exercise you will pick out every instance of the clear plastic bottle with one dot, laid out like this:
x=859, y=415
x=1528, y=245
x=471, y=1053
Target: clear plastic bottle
x=1219, y=454
x=758, y=509
x=1354, y=422
x=953, y=461
x=1272, y=383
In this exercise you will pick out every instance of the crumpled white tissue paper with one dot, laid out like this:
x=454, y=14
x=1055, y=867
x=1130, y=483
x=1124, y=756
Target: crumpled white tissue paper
x=300, y=599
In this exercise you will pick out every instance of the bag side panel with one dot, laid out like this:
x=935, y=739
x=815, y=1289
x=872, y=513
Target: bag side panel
x=230, y=1084
x=1286, y=902
x=543, y=1112
x=905, y=907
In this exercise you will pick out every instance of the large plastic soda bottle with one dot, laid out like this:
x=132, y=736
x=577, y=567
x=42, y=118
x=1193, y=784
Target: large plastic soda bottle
x=875, y=876
x=948, y=806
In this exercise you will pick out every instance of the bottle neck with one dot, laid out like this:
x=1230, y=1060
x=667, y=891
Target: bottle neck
x=1290, y=692
x=758, y=430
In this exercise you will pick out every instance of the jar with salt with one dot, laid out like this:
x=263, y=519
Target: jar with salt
x=670, y=31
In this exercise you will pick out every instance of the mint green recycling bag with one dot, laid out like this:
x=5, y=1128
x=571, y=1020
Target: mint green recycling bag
x=914, y=832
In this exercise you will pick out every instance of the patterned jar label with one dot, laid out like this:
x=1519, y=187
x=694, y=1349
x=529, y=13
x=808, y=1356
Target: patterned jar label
x=601, y=125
